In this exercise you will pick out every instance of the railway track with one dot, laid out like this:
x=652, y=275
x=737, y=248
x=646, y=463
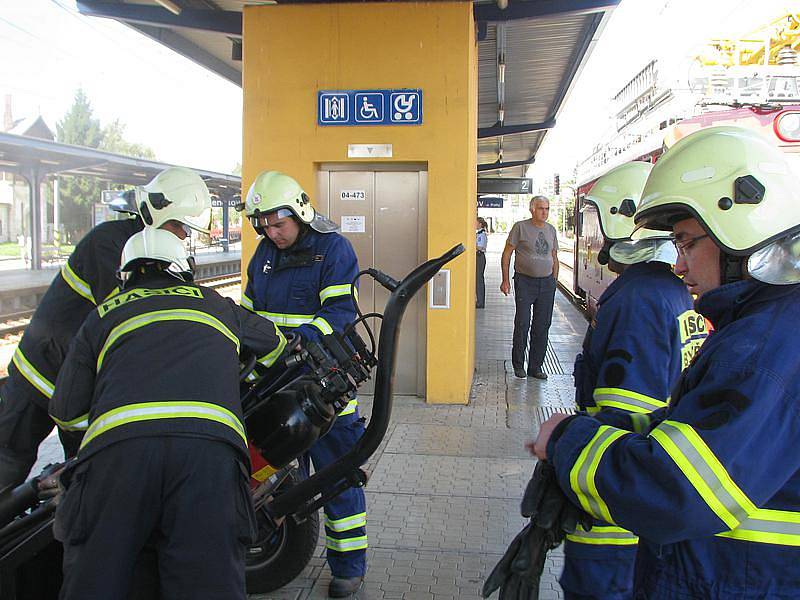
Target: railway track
x=14, y=324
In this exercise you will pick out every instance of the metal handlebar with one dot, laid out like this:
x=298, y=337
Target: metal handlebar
x=346, y=470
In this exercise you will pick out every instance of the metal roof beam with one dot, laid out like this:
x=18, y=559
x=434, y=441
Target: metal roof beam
x=507, y=165
x=190, y=50
x=533, y=9
x=219, y=21
x=497, y=130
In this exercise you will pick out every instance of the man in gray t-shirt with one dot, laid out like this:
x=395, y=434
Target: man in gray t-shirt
x=535, y=247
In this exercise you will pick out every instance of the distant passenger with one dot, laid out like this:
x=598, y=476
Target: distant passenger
x=171, y=199
x=481, y=242
x=644, y=335
x=711, y=483
x=301, y=277
x=534, y=244
x=160, y=493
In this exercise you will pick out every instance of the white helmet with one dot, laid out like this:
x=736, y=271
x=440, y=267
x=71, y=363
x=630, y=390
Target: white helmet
x=175, y=194
x=616, y=196
x=151, y=246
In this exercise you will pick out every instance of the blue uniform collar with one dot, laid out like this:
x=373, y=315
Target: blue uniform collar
x=629, y=274
x=726, y=303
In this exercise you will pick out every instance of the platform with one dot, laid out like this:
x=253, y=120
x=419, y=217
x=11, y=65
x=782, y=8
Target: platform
x=443, y=497
x=22, y=289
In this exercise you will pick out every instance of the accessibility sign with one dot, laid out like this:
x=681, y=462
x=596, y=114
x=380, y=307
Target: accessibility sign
x=369, y=107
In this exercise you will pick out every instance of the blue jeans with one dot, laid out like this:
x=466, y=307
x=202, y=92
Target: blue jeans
x=534, y=298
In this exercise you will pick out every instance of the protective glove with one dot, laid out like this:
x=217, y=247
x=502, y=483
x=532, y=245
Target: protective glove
x=552, y=516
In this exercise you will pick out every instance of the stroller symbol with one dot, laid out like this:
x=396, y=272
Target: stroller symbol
x=404, y=107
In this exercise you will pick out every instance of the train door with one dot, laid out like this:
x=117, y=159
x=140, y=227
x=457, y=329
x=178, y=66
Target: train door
x=382, y=210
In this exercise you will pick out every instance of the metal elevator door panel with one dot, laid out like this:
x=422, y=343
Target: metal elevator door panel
x=345, y=201
x=389, y=206
x=396, y=253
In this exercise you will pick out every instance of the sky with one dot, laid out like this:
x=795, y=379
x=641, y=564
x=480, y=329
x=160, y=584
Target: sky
x=190, y=116
x=185, y=113
x=637, y=32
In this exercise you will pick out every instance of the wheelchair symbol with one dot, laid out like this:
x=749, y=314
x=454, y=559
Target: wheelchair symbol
x=369, y=108
x=405, y=108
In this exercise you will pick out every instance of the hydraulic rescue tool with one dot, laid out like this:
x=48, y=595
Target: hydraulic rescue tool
x=286, y=410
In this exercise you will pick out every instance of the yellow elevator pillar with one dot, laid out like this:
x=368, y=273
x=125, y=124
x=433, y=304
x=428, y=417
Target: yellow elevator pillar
x=291, y=52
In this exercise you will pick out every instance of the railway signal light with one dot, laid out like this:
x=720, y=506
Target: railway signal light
x=556, y=185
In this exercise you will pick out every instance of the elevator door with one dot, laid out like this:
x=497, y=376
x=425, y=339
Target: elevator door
x=382, y=214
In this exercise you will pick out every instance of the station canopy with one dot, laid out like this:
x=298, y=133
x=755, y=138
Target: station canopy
x=40, y=158
x=530, y=53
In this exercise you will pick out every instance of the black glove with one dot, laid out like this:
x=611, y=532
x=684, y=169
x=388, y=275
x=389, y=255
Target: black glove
x=552, y=516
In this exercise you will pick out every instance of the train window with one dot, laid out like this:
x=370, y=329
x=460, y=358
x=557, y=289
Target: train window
x=579, y=218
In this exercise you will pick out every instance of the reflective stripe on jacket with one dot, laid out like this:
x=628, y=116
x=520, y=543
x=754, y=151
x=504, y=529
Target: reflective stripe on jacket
x=306, y=288
x=713, y=487
x=161, y=358
x=88, y=277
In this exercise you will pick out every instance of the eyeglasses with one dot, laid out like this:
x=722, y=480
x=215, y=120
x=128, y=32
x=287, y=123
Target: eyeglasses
x=683, y=245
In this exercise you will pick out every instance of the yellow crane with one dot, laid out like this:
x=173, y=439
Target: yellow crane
x=778, y=41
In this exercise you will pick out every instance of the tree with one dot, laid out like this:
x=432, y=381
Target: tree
x=113, y=141
x=79, y=194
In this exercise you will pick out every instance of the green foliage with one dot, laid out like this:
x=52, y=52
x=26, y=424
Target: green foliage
x=113, y=141
x=79, y=194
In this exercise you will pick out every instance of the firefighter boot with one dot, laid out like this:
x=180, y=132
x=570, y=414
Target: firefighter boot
x=343, y=587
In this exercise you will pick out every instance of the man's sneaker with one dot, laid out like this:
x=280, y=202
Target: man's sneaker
x=538, y=375
x=342, y=587
x=519, y=372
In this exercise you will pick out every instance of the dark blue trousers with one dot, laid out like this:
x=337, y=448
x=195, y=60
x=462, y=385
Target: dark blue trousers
x=345, y=515
x=480, y=282
x=179, y=505
x=534, y=298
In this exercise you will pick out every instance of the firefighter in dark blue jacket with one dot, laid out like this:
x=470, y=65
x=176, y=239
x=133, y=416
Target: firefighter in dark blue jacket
x=301, y=278
x=86, y=279
x=159, y=499
x=644, y=334
x=712, y=485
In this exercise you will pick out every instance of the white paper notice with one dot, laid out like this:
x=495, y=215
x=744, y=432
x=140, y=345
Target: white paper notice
x=354, y=224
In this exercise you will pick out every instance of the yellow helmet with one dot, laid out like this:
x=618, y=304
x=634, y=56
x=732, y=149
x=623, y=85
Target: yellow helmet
x=737, y=185
x=616, y=195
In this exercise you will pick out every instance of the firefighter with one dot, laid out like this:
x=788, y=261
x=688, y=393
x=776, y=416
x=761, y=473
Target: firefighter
x=300, y=277
x=162, y=473
x=85, y=280
x=632, y=355
x=712, y=484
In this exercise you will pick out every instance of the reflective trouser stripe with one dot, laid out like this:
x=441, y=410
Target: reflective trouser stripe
x=346, y=544
x=78, y=424
x=349, y=408
x=80, y=287
x=767, y=526
x=704, y=471
x=270, y=358
x=581, y=477
x=601, y=535
x=322, y=325
x=347, y=523
x=640, y=422
x=34, y=377
x=151, y=411
x=334, y=291
x=626, y=400
x=161, y=316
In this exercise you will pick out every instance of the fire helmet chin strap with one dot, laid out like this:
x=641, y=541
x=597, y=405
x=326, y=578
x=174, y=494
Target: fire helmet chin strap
x=604, y=255
x=731, y=268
